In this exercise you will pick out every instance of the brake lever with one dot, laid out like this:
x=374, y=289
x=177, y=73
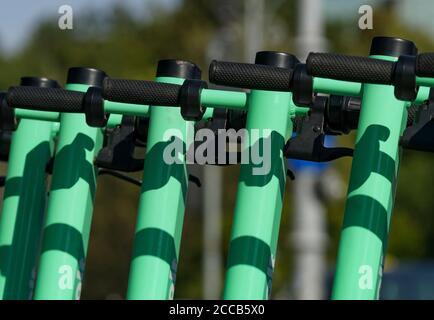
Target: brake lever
x=118, y=154
x=420, y=135
x=308, y=144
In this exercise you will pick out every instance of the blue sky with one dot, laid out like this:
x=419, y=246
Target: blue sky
x=18, y=17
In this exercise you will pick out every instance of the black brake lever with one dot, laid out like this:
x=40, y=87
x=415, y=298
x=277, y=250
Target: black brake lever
x=308, y=144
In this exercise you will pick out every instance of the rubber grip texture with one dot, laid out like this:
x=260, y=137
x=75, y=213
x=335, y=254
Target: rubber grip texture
x=250, y=76
x=425, y=65
x=45, y=99
x=350, y=68
x=412, y=114
x=141, y=92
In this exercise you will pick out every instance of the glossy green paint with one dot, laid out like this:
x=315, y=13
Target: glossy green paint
x=354, y=89
x=425, y=82
x=209, y=98
x=259, y=199
x=208, y=113
x=70, y=206
x=371, y=194
x=161, y=209
x=295, y=110
x=228, y=99
x=114, y=120
x=126, y=108
x=330, y=86
x=23, y=208
x=422, y=95
x=55, y=126
x=37, y=115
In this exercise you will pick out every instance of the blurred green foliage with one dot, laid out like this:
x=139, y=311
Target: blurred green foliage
x=127, y=47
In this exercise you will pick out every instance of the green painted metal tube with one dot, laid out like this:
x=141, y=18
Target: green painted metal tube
x=237, y=100
x=228, y=99
x=37, y=115
x=161, y=208
x=346, y=88
x=422, y=95
x=115, y=108
x=259, y=199
x=208, y=113
x=425, y=82
x=23, y=208
x=55, y=126
x=125, y=108
x=371, y=194
x=114, y=120
x=209, y=98
x=70, y=206
x=330, y=86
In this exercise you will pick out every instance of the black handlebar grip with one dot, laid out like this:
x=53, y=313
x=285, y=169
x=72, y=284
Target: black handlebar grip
x=350, y=68
x=425, y=65
x=412, y=114
x=141, y=92
x=45, y=99
x=250, y=76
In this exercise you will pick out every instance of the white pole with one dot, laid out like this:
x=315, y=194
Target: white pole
x=309, y=238
x=212, y=230
x=221, y=47
x=309, y=228
x=254, y=17
x=310, y=28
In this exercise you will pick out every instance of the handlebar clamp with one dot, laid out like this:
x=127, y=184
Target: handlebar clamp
x=189, y=99
x=404, y=78
x=93, y=105
x=301, y=86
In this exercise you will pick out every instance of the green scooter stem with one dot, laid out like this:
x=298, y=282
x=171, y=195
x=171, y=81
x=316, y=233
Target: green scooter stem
x=371, y=194
x=161, y=209
x=259, y=200
x=69, y=214
x=23, y=208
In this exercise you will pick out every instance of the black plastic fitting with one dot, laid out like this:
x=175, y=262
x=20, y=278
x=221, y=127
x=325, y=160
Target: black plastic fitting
x=93, y=104
x=189, y=99
x=404, y=78
x=302, y=86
